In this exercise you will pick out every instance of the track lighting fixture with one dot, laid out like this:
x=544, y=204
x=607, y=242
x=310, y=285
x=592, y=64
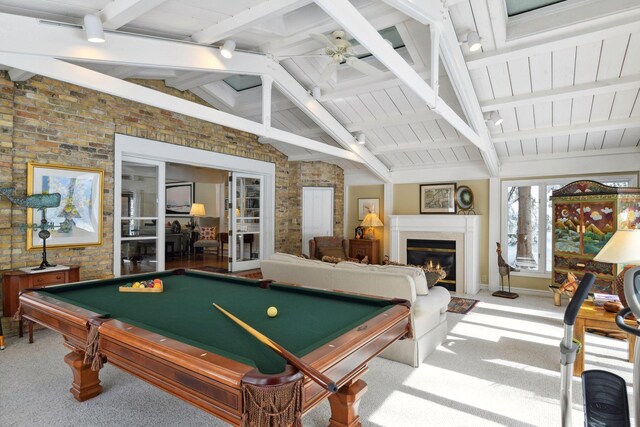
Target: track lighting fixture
x=361, y=138
x=495, y=118
x=93, y=29
x=227, y=48
x=316, y=93
x=473, y=41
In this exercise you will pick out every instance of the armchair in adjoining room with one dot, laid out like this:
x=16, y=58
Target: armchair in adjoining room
x=209, y=232
x=333, y=246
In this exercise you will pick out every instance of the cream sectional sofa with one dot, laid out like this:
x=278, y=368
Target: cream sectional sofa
x=428, y=306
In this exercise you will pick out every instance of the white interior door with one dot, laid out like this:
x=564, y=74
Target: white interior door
x=317, y=214
x=245, y=220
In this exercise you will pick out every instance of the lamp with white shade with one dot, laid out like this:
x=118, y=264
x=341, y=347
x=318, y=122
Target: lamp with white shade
x=370, y=221
x=623, y=248
x=197, y=210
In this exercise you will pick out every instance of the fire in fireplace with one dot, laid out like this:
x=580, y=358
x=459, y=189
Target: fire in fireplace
x=435, y=252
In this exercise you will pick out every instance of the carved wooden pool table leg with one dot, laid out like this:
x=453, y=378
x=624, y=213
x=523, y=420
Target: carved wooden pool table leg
x=344, y=404
x=86, y=383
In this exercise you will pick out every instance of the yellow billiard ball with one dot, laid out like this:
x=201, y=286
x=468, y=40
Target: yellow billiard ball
x=272, y=312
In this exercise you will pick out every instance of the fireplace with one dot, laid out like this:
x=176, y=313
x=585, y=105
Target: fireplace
x=461, y=230
x=435, y=252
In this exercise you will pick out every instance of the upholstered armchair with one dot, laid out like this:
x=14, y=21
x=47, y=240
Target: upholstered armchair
x=208, y=237
x=328, y=245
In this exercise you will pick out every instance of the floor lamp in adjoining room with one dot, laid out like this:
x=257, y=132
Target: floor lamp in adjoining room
x=197, y=211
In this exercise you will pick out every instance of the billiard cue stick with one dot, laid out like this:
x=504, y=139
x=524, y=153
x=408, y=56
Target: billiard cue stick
x=306, y=369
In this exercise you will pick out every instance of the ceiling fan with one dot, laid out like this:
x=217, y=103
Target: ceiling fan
x=339, y=49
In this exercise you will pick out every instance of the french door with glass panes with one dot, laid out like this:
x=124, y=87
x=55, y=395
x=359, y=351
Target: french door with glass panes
x=141, y=196
x=245, y=221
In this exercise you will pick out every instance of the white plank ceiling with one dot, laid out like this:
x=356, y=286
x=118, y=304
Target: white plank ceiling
x=565, y=78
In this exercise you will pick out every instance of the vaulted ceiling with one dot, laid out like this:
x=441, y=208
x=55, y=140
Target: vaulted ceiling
x=564, y=78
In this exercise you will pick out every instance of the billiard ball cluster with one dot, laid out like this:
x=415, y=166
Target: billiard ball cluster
x=155, y=283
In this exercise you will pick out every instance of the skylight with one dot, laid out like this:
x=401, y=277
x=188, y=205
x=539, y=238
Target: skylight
x=243, y=82
x=516, y=7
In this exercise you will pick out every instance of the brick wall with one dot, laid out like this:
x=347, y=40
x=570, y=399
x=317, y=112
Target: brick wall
x=51, y=122
x=313, y=174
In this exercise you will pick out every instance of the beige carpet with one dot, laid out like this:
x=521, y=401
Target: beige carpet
x=498, y=366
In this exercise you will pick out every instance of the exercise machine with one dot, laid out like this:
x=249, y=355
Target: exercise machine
x=604, y=393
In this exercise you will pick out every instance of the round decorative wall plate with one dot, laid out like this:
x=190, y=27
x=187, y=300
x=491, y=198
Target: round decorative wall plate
x=464, y=197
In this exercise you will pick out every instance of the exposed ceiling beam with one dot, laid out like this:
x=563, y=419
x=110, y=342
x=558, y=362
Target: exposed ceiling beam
x=366, y=85
x=123, y=71
x=594, y=161
x=575, y=129
x=17, y=75
x=288, y=86
x=569, y=92
x=245, y=19
x=26, y=35
x=119, y=13
x=300, y=43
x=348, y=16
x=440, y=172
x=19, y=34
x=311, y=133
x=191, y=79
x=308, y=158
x=458, y=74
x=211, y=99
x=255, y=108
x=423, y=145
x=585, y=36
x=75, y=74
x=404, y=119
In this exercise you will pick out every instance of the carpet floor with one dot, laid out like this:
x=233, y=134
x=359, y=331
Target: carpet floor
x=498, y=366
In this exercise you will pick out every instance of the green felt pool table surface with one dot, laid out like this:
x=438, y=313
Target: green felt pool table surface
x=306, y=318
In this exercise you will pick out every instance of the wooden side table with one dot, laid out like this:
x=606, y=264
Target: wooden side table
x=359, y=248
x=590, y=316
x=15, y=281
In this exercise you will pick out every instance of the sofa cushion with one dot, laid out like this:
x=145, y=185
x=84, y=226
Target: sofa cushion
x=417, y=274
x=279, y=256
x=208, y=233
x=331, y=252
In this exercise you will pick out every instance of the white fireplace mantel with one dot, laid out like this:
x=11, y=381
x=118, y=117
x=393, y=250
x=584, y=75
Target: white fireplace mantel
x=463, y=229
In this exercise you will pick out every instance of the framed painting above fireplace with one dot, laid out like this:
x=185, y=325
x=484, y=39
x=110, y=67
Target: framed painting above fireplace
x=437, y=198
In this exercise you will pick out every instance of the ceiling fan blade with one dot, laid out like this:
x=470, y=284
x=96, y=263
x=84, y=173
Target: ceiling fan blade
x=327, y=72
x=323, y=40
x=362, y=66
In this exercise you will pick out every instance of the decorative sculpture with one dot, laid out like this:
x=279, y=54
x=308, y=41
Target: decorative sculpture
x=40, y=202
x=504, y=269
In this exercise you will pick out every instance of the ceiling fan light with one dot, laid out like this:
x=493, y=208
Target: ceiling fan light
x=361, y=138
x=227, y=49
x=473, y=41
x=496, y=119
x=93, y=29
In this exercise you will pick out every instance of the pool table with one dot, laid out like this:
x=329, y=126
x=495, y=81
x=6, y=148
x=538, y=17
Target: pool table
x=177, y=341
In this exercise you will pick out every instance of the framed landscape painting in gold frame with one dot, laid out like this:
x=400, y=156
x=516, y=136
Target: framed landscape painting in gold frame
x=78, y=220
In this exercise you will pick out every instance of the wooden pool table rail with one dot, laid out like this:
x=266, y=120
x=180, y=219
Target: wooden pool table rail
x=204, y=379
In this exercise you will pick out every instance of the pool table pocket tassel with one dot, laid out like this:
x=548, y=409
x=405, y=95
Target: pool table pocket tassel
x=272, y=406
x=92, y=351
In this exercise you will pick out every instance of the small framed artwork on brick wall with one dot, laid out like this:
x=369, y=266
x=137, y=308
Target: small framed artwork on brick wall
x=437, y=198
x=78, y=219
